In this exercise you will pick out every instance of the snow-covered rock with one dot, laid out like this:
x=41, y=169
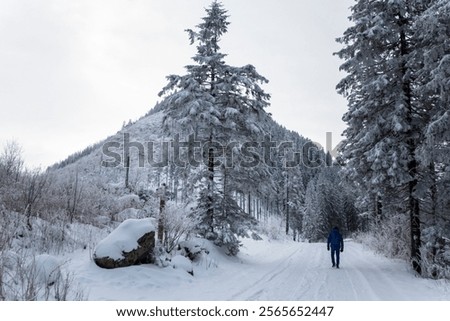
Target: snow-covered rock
x=131, y=243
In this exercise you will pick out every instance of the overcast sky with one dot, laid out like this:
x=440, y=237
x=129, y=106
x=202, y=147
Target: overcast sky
x=71, y=72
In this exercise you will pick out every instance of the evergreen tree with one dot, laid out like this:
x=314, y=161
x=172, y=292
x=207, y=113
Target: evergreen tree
x=433, y=60
x=432, y=31
x=311, y=216
x=220, y=104
x=329, y=203
x=387, y=112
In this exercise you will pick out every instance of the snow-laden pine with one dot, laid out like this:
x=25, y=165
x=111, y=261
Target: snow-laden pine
x=396, y=55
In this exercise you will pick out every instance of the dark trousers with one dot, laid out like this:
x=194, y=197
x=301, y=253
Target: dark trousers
x=335, y=254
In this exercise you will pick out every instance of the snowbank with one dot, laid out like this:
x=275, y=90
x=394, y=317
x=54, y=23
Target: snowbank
x=48, y=269
x=183, y=263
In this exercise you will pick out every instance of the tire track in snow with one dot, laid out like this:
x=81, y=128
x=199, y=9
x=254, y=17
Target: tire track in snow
x=306, y=274
x=295, y=278
x=311, y=278
x=268, y=276
x=377, y=277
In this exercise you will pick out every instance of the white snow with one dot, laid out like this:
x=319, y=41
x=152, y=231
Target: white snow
x=124, y=238
x=48, y=268
x=264, y=270
x=181, y=262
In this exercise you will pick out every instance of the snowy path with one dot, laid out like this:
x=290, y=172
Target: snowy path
x=268, y=271
x=307, y=275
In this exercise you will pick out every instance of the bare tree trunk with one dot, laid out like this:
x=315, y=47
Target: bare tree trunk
x=413, y=202
x=249, y=203
x=210, y=205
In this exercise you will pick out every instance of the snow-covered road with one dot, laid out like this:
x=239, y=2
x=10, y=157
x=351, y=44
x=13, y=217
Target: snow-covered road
x=306, y=274
x=266, y=271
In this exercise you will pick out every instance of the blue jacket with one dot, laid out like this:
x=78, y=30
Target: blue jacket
x=335, y=240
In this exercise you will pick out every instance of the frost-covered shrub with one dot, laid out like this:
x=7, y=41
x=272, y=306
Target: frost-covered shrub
x=177, y=224
x=273, y=227
x=7, y=227
x=9, y=259
x=129, y=213
x=53, y=237
x=389, y=237
x=48, y=269
x=435, y=253
x=129, y=201
x=41, y=278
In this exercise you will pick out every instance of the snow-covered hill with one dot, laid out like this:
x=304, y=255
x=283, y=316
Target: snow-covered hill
x=94, y=160
x=264, y=270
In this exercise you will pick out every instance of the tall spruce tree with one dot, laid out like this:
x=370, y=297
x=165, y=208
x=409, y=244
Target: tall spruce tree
x=219, y=104
x=384, y=117
x=312, y=218
x=433, y=86
x=432, y=31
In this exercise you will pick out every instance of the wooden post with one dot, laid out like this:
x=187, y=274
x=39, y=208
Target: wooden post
x=287, y=204
x=162, y=204
x=127, y=170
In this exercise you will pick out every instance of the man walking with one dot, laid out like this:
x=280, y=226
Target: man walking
x=337, y=244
